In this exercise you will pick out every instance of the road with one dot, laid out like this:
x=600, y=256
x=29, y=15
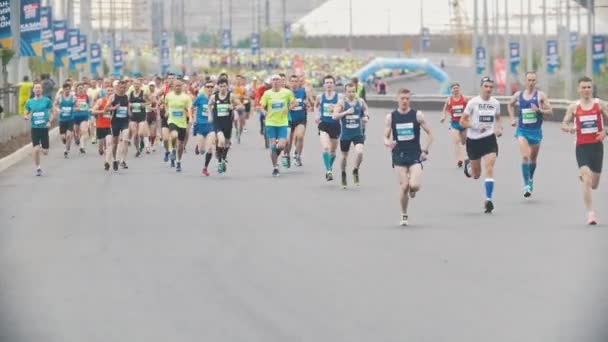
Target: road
x=147, y=254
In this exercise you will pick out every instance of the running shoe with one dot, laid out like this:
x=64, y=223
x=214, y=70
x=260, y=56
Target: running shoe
x=404, y=220
x=205, y=172
x=106, y=166
x=467, y=168
x=38, y=172
x=179, y=167
x=356, y=176
x=591, y=219
x=275, y=172
x=489, y=207
x=123, y=165
x=166, y=159
x=527, y=191
x=329, y=176
x=65, y=154
x=115, y=165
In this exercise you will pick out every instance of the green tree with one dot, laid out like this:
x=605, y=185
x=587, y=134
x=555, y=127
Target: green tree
x=180, y=38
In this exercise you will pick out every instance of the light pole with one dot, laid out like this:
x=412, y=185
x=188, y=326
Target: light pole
x=350, y=24
x=475, y=40
x=568, y=57
x=485, y=36
x=529, y=47
x=507, y=53
x=284, y=10
x=589, y=68
x=544, y=49
x=15, y=28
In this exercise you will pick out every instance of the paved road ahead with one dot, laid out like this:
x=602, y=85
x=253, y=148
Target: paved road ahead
x=151, y=255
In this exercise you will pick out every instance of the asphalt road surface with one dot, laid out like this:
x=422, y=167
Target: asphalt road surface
x=147, y=254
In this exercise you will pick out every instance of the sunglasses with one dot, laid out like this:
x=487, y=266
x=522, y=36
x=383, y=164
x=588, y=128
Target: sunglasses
x=209, y=87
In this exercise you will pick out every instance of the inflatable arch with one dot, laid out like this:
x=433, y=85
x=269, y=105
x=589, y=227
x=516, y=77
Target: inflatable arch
x=411, y=64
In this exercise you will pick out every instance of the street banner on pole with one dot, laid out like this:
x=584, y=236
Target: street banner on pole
x=30, y=28
x=552, y=56
x=6, y=37
x=60, y=43
x=515, y=57
x=599, y=54
x=480, y=56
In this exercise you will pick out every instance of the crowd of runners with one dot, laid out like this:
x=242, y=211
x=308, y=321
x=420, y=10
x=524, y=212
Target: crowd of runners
x=211, y=113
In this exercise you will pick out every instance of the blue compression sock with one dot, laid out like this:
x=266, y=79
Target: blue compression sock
x=525, y=171
x=326, y=160
x=532, y=169
x=489, y=183
x=332, y=159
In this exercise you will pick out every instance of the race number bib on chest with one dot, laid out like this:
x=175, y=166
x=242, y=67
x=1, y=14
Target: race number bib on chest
x=223, y=109
x=38, y=118
x=352, y=121
x=528, y=116
x=122, y=112
x=405, y=131
x=177, y=113
x=276, y=105
x=66, y=111
x=457, y=111
x=299, y=106
x=136, y=107
x=589, y=124
x=204, y=110
x=486, y=119
x=83, y=106
x=328, y=109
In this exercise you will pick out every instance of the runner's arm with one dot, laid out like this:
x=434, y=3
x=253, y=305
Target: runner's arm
x=338, y=114
x=568, y=119
x=545, y=106
x=365, y=110
x=427, y=129
x=465, y=119
x=498, y=122
x=511, y=107
x=317, y=107
x=388, y=132
x=444, y=112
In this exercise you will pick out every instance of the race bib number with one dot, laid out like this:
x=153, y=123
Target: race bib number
x=328, y=109
x=66, y=111
x=352, y=121
x=136, y=107
x=107, y=114
x=177, y=114
x=83, y=106
x=405, y=131
x=122, y=112
x=486, y=119
x=457, y=111
x=204, y=112
x=299, y=106
x=223, y=109
x=277, y=105
x=528, y=116
x=589, y=124
x=38, y=118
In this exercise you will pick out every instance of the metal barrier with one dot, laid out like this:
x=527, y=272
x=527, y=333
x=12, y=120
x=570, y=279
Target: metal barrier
x=436, y=102
x=9, y=98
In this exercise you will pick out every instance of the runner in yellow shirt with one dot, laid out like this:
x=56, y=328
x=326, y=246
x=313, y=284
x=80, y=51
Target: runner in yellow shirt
x=178, y=105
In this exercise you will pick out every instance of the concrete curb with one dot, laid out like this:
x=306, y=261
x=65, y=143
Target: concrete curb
x=23, y=152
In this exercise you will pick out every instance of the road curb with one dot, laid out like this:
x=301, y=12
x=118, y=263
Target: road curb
x=23, y=152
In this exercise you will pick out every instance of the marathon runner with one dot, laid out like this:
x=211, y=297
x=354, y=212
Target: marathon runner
x=82, y=113
x=259, y=92
x=222, y=105
x=104, y=127
x=533, y=108
x=119, y=105
x=276, y=104
x=297, y=121
x=64, y=105
x=329, y=128
x=178, y=105
x=38, y=111
x=138, y=125
x=589, y=116
x=402, y=137
x=454, y=106
x=481, y=118
x=204, y=129
x=152, y=113
x=352, y=114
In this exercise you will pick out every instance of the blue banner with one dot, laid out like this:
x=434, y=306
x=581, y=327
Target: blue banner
x=514, y=57
x=73, y=47
x=480, y=56
x=552, y=56
x=82, y=58
x=60, y=43
x=165, y=56
x=46, y=32
x=117, y=62
x=287, y=33
x=425, y=38
x=6, y=38
x=599, y=54
x=226, y=39
x=30, y=28
x=95, y=59
x=255, y=43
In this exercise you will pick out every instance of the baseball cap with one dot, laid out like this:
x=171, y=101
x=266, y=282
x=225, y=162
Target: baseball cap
x=486, y=79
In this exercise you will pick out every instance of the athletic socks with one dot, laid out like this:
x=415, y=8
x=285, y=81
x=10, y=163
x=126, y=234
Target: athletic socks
x=327, y=161
x=489, y=183
x=532, y=169
x=208, y=157
x=526, y=172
